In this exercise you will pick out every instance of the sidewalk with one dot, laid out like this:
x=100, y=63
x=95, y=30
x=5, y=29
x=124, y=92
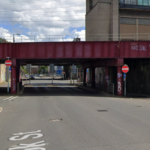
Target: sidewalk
x=131, y=95
x=3, y=89
x=103, y=93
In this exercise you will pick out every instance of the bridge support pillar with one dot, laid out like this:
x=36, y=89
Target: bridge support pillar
x=13, y=77
x=106, y=78
x=84, y=79
x=119, y=81
x=93, y=77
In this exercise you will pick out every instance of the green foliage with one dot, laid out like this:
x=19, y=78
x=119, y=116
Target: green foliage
x=24, y=70
x=2, y=40
x=43, y=69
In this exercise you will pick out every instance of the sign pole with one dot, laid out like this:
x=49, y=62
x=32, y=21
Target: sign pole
x=124, y=76
x=8, y=79
x=125, y=69
x=8, y=63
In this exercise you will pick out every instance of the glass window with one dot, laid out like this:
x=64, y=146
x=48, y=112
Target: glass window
x=127, y=2
x=144, y=2
x=133, y=2
x=144, y=21
x=91, y=4
x=127, y=21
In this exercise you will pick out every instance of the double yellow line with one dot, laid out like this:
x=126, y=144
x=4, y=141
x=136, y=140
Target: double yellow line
x=1, y=109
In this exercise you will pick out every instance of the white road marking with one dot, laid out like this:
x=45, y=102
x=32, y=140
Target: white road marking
x=26, y=135
x=1, y=109
x=8, y=98
x=12, y=98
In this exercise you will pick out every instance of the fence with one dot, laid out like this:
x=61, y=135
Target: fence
x=89, y=37
x=102, y=87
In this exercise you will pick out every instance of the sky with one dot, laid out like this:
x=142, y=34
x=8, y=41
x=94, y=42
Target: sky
x=42, y=20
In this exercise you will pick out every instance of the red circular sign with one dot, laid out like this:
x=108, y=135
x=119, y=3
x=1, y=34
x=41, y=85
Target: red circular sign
x=125, y=69
x=8, y=63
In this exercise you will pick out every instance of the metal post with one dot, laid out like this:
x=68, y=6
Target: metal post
x=125, y=84
x=71, y=76
x=18, y=88
x=77, y=74
x=52, y=77
x=8, y=79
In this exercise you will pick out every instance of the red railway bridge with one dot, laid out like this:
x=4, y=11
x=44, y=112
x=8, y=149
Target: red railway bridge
x=87, y=54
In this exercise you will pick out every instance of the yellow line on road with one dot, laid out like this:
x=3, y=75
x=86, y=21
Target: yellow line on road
x=1, y=109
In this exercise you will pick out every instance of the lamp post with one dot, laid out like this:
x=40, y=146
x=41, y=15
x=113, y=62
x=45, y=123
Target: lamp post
x=14, y=37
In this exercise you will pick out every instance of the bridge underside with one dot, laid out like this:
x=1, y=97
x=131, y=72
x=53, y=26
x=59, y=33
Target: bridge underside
x=87, y=54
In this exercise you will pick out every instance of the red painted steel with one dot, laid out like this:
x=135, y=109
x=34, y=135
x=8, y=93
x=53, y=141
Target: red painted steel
x=119, y=81
x=90, y=50
x=13, y=80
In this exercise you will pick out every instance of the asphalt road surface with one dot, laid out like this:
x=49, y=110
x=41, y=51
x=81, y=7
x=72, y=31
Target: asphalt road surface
x=65, y=117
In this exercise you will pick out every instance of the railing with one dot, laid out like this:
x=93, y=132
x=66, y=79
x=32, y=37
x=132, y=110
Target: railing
x=119, y=37
x=89, y=37
x=102, y=87
x=111, y=88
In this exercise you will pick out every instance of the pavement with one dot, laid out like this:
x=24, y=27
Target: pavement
x=65, y=117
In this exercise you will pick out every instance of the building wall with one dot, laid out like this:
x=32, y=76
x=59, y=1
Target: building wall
x=134, y=24
x=2, y=73
x=107, y=21
x=102, y=19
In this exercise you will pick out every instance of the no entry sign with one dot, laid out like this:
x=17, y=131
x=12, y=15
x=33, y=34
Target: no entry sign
x=8, y=63
x=125, y=68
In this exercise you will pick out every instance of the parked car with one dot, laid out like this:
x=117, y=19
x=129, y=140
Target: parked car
x=32, y=77
x=26, y=75
x=40, y=75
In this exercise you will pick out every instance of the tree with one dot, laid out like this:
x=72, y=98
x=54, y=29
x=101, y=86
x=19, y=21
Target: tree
x=2, y=40
x=23, y=69
x=43, y=69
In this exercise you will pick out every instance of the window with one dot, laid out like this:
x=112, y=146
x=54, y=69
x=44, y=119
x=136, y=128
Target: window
x=136, y=2
x=132, y=2
x=144, y=21
x=144, y=2
x=127, y=21
x=91, y=4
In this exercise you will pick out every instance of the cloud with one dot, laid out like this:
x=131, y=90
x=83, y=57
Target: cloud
x=43, y=20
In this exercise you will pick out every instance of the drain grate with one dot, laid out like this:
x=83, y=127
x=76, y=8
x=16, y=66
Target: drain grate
x=102, y=110
x=55, y=120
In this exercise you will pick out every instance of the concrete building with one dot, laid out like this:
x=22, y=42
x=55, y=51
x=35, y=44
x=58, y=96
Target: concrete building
x=121, y=20
x=2, y=73
x=115, y=20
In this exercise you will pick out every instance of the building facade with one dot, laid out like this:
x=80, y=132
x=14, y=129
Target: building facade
x=113, y=20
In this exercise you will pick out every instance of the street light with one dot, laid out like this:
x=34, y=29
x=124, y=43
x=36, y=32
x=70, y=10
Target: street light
x=14, y=37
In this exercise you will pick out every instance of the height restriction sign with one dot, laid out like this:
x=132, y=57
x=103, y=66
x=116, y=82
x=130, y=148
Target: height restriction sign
x=125, y=69
x=8, y=63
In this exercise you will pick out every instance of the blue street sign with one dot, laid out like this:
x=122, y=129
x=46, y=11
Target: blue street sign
x=124, y=76
x=10, y=69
